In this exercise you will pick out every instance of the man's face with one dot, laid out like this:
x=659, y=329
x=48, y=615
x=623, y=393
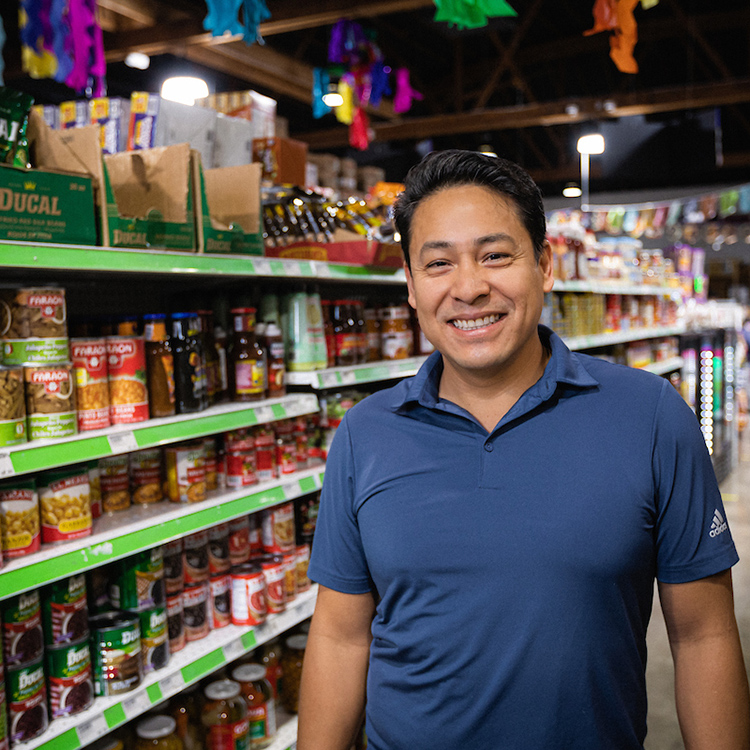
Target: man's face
x=474, y=282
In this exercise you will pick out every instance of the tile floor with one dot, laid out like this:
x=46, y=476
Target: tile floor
x=663, y=730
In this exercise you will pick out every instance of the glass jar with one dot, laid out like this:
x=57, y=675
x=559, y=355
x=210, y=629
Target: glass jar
x=328, y=332
x=270, y=658
x=274, y=344
x=157, y=733
x=291, y=669
x=258, y=694
x=189, y=371
x=210, y=356
x=345, y=334
x=224, y=717
x=248, y=365
x=185, y=710
x=160, y=367
x=396, y=335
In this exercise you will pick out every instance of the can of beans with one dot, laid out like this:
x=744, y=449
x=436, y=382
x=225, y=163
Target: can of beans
x=220, y=601
x=64, y=503
x=145, y=476
x=50, y=400
x=114, y=474
x=138, y=582
x=218, y=549
x=89, y=357
x=33, y=325
x=212, y=464
x=175, y=624
x=275, y=572
x=239, y=540
x=23, y=641
x=69, y=675
x=12, y=406
x=302, y=561
x=186, y=472
x=154, y=639
x=27, y=702
x=248, y=598
x=65, y=613
x=240, y=468
x=290, y=575
x=195, y=563
x=19, y=511
x=173, y=568
x=115, y=652
x=277, y=526
x=195, y=611
x=128, y=395
x=95, y=488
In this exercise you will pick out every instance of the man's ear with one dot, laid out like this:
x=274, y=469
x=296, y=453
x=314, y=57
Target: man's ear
x=410, y=286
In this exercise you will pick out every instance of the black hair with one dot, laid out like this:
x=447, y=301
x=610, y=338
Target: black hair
x=454, y=167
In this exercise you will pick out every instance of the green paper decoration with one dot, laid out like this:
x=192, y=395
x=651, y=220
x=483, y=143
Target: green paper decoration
x=471, y=14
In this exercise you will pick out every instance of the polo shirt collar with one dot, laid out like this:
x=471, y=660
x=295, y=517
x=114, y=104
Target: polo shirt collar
x=563, y=367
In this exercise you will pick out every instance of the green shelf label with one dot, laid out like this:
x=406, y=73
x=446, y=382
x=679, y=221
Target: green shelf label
x=278, y=411
x=65, y=741
x=306, y=269
x=248, y=640
x=115, y=715
x=277, y=267
x=154, y=693
x=307, y=484
x=208, y=663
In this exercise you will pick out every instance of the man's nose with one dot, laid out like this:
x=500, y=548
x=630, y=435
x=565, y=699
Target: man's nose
x=470, y=282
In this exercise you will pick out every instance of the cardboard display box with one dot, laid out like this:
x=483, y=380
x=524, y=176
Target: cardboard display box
x=42, y=206
x=148, y=199
x=228, y=208
x=284, y=160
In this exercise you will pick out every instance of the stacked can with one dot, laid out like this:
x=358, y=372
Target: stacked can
x=220, y=582
x=196, y=591
x=173, y=583
x=34, y=329
x=137, y=587
x=19, y=511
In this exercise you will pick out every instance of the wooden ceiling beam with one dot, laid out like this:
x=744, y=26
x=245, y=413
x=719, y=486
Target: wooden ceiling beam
x=290, y=16
x=547, y=113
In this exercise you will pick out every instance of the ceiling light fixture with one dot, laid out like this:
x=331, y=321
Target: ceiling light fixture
x=572, y=110
x=332, y=98
x=571, y=190
x=138, y=60
x=184, y=89
x=591, y=144
x=486, y=149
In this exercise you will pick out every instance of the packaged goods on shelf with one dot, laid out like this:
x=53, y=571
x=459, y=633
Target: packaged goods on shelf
x=179, y=123
x=112, y=115
x=256, y=108
x=19, y=517
x=144, y=109
x=74, y=114
x=234, y=142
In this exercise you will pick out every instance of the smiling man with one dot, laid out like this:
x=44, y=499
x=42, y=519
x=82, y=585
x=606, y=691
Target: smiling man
x=491, y=530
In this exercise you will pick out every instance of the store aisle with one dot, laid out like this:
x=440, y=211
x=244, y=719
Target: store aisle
x=663, y=731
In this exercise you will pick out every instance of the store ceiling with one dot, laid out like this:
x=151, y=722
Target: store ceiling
x=528, y=86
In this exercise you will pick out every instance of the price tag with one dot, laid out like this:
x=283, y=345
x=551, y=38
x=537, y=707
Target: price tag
x=293, y=268
x=262, y=266
x=329, y=379
x=291, y=490
x=264, y=414
x=349, y=377
x=136, y=704
x=6, y=465
x=323, y=270
x=92, y=729
x=172, y=684
x=233, y=650
x=122, y=442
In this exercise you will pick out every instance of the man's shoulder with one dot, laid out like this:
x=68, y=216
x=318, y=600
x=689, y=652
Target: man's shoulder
x=380, y=404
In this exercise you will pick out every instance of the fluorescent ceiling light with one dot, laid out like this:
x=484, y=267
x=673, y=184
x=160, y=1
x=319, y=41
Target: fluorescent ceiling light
x=487, y=150
x=572, y=191
x=184, y=89
x=332, y=98
x=137, y=60
x=591, y=144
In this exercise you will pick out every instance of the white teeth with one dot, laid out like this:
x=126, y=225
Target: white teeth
x=469, y=325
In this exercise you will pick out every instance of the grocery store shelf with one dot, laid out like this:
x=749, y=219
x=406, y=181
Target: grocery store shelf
x=615, y=287
x=286, y=736
x=367, y=373
x=667, y=365
x=195, y=661
x=576, y=343
x=38, y=455
x=110, y=260
x=117, y=535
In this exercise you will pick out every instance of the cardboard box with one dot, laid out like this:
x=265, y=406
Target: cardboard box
x=234, y=142
x=228, y=208
x=284, y=160
x=148, y=199
x=180, y=123
x=350, y=249
x=41, y=206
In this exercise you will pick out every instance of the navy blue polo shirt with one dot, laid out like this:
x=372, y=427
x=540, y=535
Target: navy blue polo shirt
x=514, y=570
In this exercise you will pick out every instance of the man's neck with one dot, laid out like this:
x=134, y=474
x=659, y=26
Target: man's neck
x=490, y=398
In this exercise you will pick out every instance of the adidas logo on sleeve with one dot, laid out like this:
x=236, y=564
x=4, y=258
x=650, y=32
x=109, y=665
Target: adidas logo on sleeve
x=718, y=525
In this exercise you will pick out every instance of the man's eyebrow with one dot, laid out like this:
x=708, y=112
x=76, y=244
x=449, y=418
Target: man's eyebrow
x=488, y=239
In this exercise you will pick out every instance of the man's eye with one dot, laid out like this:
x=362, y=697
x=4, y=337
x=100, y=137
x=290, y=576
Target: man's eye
x=437, y=264
x=498, y=256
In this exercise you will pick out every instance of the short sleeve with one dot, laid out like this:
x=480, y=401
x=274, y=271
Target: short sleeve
x=338, y=560
x=693, y=539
